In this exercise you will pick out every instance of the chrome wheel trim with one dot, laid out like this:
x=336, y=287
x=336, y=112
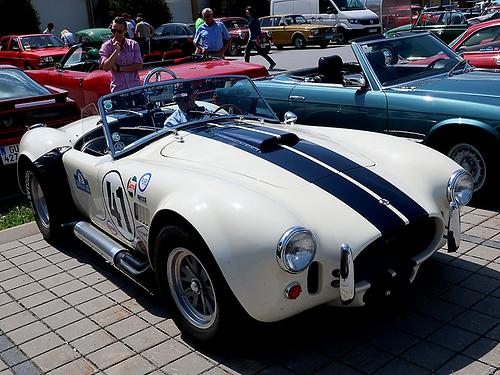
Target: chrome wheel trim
x=191, y=288
x=471, y=159
x=39, y=202
x=233, y=49
x=299, y=42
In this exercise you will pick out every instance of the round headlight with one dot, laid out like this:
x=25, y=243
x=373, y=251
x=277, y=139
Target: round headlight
x=460, y=187
x=296, y=249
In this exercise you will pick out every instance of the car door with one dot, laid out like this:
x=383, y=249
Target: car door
x=482, y=48
x=334, y=105
x=278, y=31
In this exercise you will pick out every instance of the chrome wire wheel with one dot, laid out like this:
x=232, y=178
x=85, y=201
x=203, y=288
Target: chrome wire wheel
x=191, y=288
x=471, y=159
x=39, y=202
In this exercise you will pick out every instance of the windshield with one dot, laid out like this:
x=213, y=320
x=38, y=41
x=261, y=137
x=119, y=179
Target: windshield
x=14, y=84
x=154, y=110
x=238, y=23
x=295, y=20
x=404, y=59
x=349, y=4
x=41, y=41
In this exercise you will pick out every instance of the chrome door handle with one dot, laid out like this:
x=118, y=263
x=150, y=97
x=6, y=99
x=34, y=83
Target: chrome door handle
x=297, y=98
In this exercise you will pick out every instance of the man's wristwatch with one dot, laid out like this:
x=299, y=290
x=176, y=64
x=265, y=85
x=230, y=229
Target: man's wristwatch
x=117, y=67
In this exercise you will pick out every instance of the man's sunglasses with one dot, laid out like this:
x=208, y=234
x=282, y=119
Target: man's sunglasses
x=117, y=31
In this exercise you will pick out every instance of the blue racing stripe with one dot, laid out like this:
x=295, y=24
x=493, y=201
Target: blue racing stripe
x=384, y=219
x=383, y=188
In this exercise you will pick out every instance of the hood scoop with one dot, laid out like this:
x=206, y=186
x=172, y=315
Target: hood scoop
x=261, y=141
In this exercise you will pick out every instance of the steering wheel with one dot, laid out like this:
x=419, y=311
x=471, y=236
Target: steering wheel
x=230, y=108
x=433, y=64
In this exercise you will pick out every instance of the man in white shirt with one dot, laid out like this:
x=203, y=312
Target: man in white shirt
x=187, y=109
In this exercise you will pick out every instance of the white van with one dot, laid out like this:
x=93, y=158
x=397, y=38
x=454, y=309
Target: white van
x=349, y=17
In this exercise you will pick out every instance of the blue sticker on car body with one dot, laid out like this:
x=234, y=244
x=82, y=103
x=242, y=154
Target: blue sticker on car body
x=144, y=181
x=81, y=182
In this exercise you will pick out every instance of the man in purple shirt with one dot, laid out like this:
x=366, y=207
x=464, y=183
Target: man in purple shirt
x=122, y=56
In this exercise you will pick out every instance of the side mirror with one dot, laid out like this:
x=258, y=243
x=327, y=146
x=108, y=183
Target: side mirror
x=290, y=118
x=355, y=80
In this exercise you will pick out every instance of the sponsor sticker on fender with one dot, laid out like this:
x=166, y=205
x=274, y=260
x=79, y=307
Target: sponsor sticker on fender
x=131, y=186
x=144, y=181
x=81, y=182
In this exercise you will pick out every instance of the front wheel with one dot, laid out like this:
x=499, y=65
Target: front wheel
x=324, y=44
x=233, y=49
x=341, y=36
x=201, y=303
x=47, y=215
x=475, y=158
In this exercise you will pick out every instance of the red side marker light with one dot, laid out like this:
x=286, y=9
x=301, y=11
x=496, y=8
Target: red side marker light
x=293, y=290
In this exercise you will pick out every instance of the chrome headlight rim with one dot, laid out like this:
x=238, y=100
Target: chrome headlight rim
x=282, y=246
x=452, y=185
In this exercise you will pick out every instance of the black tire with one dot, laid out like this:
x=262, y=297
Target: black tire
x=179, y=252
x=324, y=44
x=279, y=46
x=233, y=49
x=341, y=36
x=48, y=214
x=299, y=42
x=477, y=158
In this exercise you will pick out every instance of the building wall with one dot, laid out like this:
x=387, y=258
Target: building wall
x=182, y=10
x=69, y=14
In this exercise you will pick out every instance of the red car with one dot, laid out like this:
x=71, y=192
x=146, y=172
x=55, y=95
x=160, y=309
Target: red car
x=33, y=51
x=480, y=45
x=79, y=72
x=238, y=29
x=24, y=102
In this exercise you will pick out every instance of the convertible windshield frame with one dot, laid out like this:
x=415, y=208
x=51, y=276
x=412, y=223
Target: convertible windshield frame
x=159, y=131
x=362, y=48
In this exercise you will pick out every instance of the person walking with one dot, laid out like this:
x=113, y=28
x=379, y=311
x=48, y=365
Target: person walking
x=212, y=37
x=121, y=56
x=143, y=33
x=49, y=29
x=254, y=39
x=68, y=37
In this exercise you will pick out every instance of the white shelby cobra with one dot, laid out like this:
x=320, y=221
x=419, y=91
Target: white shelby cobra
x=235, y=212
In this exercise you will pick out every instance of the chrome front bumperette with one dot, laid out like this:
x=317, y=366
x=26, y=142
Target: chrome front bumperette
x=347, y=282
x=453, y=235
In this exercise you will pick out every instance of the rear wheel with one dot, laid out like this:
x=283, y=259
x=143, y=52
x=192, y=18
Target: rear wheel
x=299, y=42
x=194, y=288
x=48, y=215
x=279, y=46
x=324, y=44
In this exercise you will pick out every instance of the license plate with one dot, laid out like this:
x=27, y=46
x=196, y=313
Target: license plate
x=9, y=154
x=372, y=30
x=328, y=36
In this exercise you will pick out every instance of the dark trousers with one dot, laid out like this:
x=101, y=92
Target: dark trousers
x=250, y=46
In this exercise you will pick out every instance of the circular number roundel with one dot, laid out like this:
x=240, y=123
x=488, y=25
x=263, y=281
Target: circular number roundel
x=117, y=206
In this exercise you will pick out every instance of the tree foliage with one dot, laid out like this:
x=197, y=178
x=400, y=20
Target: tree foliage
x=156, y=12
x=22, y=17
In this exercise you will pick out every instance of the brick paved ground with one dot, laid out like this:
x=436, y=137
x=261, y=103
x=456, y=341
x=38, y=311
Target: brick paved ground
x=65, y=311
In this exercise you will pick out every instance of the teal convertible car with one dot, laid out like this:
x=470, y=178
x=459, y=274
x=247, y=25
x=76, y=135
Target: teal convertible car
x=411, y=86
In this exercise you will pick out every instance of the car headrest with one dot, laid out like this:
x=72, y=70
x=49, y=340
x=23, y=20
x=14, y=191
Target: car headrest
x=376, y=58
x=329, y=64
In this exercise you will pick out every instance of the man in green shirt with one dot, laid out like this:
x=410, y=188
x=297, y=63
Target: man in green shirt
x=200, y=21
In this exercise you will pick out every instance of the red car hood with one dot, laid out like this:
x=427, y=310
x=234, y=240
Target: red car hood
x=215, y=68
x=54, y=51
